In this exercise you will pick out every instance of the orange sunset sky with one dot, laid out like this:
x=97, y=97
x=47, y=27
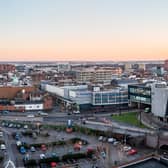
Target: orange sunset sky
x=86, y=30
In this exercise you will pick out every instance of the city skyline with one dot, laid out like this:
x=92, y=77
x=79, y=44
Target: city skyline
x=83, y=30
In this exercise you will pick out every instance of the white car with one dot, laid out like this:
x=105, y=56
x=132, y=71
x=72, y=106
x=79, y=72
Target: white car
x=31, y=116
x=127, y=148
x=76, y=112
x=42, y=156
x=3, y=147
x=25, y=127
x=100, y=138
x=18, y=143
x=111, y=140
x=1, y=134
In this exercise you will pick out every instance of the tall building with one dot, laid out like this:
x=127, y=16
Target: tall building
x=166, y=65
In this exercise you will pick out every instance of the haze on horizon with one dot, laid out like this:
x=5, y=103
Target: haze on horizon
x=87, y=30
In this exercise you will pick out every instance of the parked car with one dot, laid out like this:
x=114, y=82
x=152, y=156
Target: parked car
x=111, y=140
x=126, y=148
x=25, y=127
x=100, y=138
x=116, y=143
x=18, y=143
x=42, y=156
x=132, y=152
x=43, y=147
x=3, y=147
x=1, y=134
x=22, y=150
x=104, y=139
x=32, y=149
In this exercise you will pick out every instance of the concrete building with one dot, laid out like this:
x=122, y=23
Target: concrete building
x=160, y=101
x=166, y=65
x=86, y=97
x=64, y=66
x=94, y=75
x=154, y=96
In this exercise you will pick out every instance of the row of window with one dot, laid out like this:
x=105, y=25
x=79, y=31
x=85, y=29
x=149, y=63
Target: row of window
x=140, y=91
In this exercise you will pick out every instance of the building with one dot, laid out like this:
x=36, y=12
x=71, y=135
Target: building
x=99, y=75
x=63, y=67
x=160, y=101
x=5, y=68
x=154, y=96
x=24, y=98
x=166, y=65
x=89, y=98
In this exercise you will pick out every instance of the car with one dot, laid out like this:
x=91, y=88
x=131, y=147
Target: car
x=132, y=152
x=104, y=139
x=111, y=140
x=116, y=143
x=42, y=156
x=31, y=116
x=18, y=126
x=17, y=136
x=126, y=148
x=22, y=150
x=32, y=149
x=18, y=143
x=3, y=147
x=76, y=112
x=10, y=125
x=5, y=112
x=25, y=127
x=100, y=138
x=54, y=154
x=43, y=147
x=3, y=124
x=1, y=134
x=42, y=114
x=26, y=157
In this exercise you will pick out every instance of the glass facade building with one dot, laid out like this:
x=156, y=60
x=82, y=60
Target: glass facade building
x=139, y=94
x=110, y=97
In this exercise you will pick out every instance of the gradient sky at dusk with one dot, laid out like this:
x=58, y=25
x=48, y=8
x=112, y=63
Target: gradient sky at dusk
x=83, y=30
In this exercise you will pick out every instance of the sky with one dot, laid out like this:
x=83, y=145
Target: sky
x=83, y=30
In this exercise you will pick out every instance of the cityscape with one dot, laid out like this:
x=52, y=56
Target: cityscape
x=83, y=84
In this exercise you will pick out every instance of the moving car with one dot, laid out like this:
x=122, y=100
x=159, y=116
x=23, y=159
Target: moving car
x=31, y=116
